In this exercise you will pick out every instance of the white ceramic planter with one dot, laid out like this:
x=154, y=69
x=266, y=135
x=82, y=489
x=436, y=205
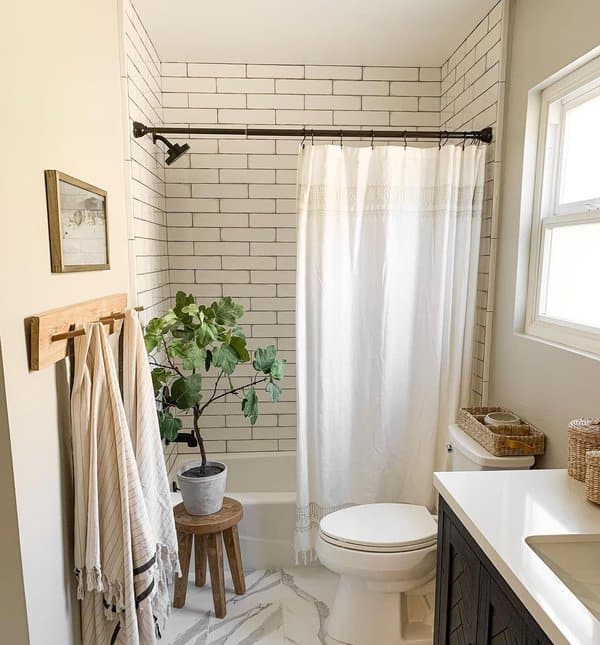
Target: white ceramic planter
x=202, y=495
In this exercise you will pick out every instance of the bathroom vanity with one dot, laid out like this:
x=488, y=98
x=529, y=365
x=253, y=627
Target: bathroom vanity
x=473, y=602
x=518, y=559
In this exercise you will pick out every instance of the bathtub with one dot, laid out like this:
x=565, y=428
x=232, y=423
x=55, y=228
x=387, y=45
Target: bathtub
x=264, y=482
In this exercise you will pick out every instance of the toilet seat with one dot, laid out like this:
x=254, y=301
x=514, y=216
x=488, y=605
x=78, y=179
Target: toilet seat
x=380, y=528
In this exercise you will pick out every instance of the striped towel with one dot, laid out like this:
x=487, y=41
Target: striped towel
x=115, y=553
x=140, y=409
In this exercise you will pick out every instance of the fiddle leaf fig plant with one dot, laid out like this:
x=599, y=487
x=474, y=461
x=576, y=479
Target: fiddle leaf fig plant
x=192, y=340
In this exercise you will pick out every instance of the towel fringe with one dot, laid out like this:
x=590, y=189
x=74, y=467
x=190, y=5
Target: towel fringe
x=167, y=565
x=96, y=581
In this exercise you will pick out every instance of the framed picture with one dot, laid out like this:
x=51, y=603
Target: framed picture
x=77, y=224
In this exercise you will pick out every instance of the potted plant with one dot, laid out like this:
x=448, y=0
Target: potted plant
x=185, y=344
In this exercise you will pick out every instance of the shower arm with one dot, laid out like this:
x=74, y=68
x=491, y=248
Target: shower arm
x=481, y=136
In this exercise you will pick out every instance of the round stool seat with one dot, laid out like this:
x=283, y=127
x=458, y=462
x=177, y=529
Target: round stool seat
x=229, y=515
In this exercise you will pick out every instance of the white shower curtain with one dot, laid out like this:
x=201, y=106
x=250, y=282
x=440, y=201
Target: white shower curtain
x=388, y=243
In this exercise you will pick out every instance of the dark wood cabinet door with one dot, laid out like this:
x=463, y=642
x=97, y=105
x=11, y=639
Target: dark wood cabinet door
x=500, y=621
x=458, y=589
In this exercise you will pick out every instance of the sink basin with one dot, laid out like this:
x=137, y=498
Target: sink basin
x=575, y=559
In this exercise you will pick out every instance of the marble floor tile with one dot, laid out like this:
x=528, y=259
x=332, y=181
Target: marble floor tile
x=289, y=606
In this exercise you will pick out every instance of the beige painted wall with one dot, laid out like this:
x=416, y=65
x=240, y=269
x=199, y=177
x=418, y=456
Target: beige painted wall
x=60, y=108
x=13, y=616
x=546, y=384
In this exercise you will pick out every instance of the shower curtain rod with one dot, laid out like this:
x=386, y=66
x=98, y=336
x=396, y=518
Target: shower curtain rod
x=484, y=136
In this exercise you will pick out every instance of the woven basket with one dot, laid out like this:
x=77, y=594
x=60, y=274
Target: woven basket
x=592, y=476
x=511, y=440
x=584, y=435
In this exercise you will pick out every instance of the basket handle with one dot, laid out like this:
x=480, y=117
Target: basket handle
x=518, y=445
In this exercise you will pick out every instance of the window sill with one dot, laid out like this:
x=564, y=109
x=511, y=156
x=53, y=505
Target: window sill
x=585, y=353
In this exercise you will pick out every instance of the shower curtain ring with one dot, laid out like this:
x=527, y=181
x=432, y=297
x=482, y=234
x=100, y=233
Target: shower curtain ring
x=312, y=137
x=341, y=138
x=303, y=136
x=464, y=140
x=372, y=140
x=405, y=141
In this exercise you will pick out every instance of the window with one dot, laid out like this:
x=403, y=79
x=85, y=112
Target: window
x=564, y=285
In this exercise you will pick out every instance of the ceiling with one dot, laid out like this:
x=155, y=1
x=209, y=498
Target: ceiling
x=335, y=32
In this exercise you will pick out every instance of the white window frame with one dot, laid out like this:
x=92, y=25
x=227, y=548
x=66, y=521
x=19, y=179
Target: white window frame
x=574, y=88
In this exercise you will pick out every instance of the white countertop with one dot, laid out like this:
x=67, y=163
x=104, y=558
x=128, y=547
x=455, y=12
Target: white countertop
x=500, y=509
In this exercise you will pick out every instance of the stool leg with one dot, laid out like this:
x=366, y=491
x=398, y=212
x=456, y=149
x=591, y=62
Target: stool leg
x=184, y=541
x=200, y=560
x=234, y=555
x=214, y=549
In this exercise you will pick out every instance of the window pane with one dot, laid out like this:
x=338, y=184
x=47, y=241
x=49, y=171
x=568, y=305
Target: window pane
x=581, y=153
x=571, y=279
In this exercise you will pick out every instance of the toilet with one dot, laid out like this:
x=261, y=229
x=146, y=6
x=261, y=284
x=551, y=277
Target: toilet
x=385, y=553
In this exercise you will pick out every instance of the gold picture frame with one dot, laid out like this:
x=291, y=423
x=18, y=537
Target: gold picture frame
x=77, y=223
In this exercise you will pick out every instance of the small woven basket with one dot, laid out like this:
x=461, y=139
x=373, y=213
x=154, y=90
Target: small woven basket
x=584, y=435
x=592, y=476
x=509, y=440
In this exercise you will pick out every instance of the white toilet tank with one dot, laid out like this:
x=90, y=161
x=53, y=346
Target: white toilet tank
x=465, y=453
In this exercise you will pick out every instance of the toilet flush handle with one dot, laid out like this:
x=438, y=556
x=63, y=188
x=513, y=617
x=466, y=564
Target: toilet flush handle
x=449, y=447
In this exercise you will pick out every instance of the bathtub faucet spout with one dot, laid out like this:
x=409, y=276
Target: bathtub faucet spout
x=185, y=437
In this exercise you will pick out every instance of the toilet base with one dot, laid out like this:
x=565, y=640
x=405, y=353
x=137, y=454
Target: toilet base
x=362, y=616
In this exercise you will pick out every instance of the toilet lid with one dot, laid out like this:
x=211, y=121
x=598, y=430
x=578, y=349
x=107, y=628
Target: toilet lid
x=386, y=527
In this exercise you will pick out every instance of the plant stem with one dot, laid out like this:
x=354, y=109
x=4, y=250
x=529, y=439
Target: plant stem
x=155, y=364
x=197, y=413
x=255, y=381
x=199, y=410
x=173, y=366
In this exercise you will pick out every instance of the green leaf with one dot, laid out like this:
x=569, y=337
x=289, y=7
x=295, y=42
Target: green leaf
x=239, y=344
x=169, y=425
x=191, y=355
x=191, y=309
x=177, y=348
x=238, y=332
x=170, y=318
x=273, y=390
x=250, y=405
x=227, y=311
x=160, y=376
x=153, y=334
x=277, y=369
x=182, y=300
x=226, y=358
x=194, y=358
x=206, y=333
x=263, y=358
x=186, y=392
x=185, y=333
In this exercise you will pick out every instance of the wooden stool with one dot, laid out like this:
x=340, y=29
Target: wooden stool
x=208, y=532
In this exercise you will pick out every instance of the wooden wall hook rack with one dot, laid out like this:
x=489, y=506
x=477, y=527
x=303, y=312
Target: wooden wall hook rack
x=50, y=331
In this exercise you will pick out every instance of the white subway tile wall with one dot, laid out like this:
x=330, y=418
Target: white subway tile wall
x=221, y=219
x=472, y=98
x=142, y=87
x=232, y=232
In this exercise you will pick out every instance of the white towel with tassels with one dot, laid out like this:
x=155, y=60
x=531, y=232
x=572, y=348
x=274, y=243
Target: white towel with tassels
x=115, y=553
x=140, y=409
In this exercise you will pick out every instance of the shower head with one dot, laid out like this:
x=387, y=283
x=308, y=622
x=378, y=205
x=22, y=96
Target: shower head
x=174, y=150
